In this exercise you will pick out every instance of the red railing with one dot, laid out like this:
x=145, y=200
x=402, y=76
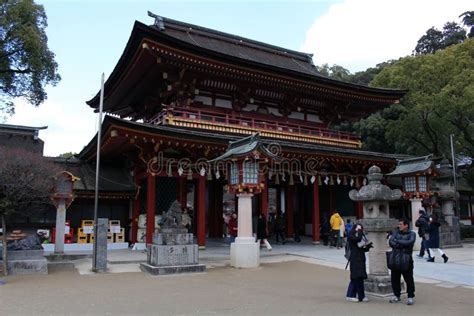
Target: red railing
x=255, y=123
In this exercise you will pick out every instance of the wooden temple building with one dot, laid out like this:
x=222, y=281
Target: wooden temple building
x=180, y=92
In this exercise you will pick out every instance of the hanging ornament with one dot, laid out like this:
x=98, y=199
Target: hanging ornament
x=180, y=171
x=364, y=182
x=352, y=182
x=283, y=178
x=305, y=180
x=338, y=180
x=209, y=174
x=326, y=180
x=313, y=178
x=218, y=174
x=344, y=180
x=190, y=175
x=291, y=180
x=320, y=183
x=277, y=179
x=202, y=172
x=331, y=180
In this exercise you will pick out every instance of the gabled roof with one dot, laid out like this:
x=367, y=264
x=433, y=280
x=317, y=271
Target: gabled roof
x=411, y=166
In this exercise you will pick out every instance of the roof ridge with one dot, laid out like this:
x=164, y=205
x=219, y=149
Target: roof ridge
x=232, y=38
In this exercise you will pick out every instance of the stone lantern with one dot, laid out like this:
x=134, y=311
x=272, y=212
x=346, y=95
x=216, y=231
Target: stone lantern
x=375, y=197
x=246, y=162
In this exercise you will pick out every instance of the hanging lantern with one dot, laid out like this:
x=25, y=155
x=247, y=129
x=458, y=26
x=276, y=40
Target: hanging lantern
x=352, y=182
x=291, y=180
x=180, y=171
x=305, y=180
x=170, y=172
x=209, y=174
x=218, y=174
x=283, y=178
x=202, y=172
x=313, y=178
x=344, y=180
x=331, y=180
x=338, y=180
x=320, y=183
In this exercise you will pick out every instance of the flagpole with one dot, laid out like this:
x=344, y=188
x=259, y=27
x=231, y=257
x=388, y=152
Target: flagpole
x=97, y=165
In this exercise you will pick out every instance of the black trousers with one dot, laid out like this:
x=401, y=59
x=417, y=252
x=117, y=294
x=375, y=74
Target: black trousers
x=424, y=246
x=408, y=277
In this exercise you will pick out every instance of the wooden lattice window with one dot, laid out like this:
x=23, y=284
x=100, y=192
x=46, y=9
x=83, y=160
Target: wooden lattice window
x=410, y=184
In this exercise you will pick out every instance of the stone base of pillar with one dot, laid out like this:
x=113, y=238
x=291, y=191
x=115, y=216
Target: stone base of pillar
x=380, y=286
x=245, y=253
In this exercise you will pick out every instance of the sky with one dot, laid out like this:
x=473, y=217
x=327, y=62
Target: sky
x=89, y=36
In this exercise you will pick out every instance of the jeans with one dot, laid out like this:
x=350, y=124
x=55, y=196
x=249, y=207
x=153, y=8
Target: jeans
x=424, y=246
x=356, y=287
x=408, y=277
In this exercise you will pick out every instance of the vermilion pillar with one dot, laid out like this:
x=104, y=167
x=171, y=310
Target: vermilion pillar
x=290, y=192
x=264, y=198
x=359, y=210
x=316, y=211
x=201, y=212
x=150, y=207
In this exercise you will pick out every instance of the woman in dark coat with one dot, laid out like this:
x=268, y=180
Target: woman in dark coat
x=433, y=241
x=358, y=245
x=262, y=231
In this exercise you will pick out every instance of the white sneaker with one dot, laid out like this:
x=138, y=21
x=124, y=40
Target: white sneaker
x=365, y=299
x=352, y=299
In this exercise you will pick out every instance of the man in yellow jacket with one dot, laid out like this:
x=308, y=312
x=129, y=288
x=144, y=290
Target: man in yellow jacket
x=336, y=222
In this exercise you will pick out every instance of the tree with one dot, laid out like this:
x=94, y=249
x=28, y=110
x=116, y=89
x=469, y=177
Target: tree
x=26, y=63
x=435, y=40
x=468, y=21
x=440, y=101
x=25, y=185
x=366, y=76
x=335, y=72
x=67, y=155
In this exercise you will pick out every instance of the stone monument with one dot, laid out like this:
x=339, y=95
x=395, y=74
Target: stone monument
x=26, y=256
x=376, y=222
x=173, y=249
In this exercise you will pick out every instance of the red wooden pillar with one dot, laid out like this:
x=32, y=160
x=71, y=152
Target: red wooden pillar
x=150, y=207
x=264, y=198
x=182, y=191
x=359, y=210
x=332, y=198
x=316, y=211
x=289, y=210
x=201, y=212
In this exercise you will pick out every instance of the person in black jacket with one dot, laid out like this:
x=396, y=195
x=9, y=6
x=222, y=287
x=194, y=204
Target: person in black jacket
x=358, y=245
x=433, y=242
x=403, y=240
x=422, y=223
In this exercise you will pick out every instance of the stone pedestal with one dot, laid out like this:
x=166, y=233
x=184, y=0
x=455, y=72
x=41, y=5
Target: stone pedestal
x=172, y=251
x=378, y=282
x=415, y=209
x=245, y=252
x=60, y=227
x=23, y=262
x=101, y=243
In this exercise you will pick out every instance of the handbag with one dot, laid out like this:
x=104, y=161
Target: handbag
x=398, y=260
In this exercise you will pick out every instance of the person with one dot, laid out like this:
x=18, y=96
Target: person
x=325, y=230
x=233, y=229
x=422, y=223
x=433, y=241
x=403, y=240
x=358, y=245
x=262, y=231
x=335, y=221
x=348, y=226
x=280, y=227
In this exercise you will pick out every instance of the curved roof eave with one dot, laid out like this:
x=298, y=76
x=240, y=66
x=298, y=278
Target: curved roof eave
x=141, y=31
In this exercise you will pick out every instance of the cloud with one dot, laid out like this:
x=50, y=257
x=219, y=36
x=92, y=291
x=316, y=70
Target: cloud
x=358, y=34
x=69, y=129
